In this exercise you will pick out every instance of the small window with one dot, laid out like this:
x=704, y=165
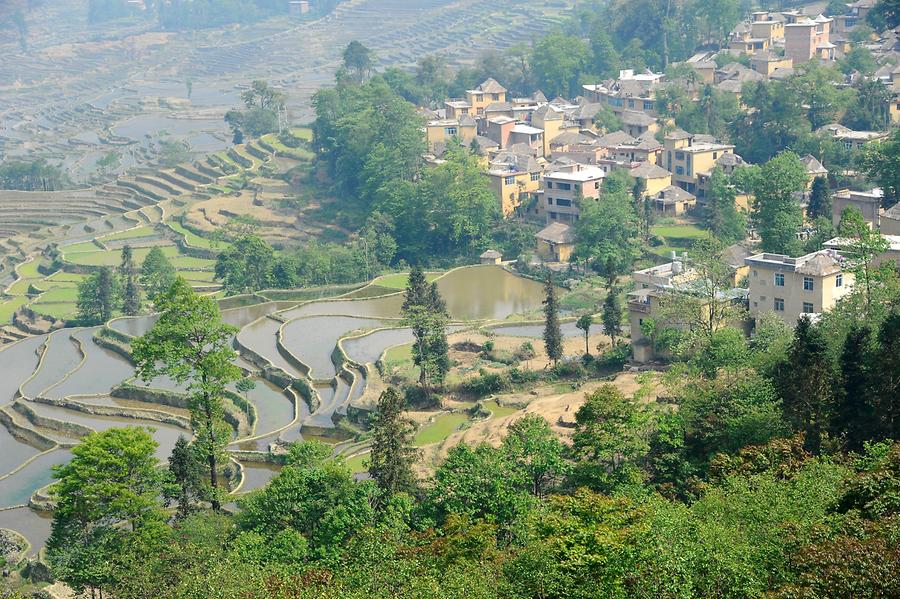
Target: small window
x=808, y=284
x=679, y=170
x=630, y=103
x=779, y=304
x=715, y=155
x=839, y=280
x=755, y=304
x=553, y=215
x=564, y=186
x=549, y=184
x=451, y=131
x=549, y=201
x=510, y=180
x=754, y=273
x=561, y=202
x=779, y=279
x=596, y=184
x=808, y=308
x=535, y=176
x=679, y=155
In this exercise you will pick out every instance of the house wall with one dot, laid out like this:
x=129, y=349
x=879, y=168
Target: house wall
x=763, y=291
x=554, y=192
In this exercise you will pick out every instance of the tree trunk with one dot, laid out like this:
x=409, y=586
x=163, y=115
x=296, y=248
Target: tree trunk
x=587, y=349
x=211, y=456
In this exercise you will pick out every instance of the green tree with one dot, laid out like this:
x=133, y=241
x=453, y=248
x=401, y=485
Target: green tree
x=392, y=456
x=246, y=265
x=609, y=442
x=776, y=210
x=871, y=110
x=103, y=495
x=358, y=60
x=584, y=323
x=185, y=485
x=819, y=199
x=606, y=234
x=884, y=15
x=190, y=344
x=806, y=382
x=605, y=59
x=862, y=246
x=532, y=446
x=157, y=273
x=854, y=416
x=881, y=164
x=558, y=61
x=888, y=376
x=131, y=292
x=553, y=339
x=721, y=214
x=612, y=316
x=98, y=296
x=317, y=499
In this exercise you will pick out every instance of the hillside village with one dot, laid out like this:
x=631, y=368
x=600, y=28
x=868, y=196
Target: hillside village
x=444, y=299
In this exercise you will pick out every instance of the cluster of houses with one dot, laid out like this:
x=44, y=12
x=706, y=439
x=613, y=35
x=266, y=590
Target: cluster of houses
x=545, y=157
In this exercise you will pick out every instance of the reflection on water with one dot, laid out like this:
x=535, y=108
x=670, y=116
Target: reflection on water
x=31, y=524
x=102, y=370
x=17, y=362
x=312, y=340
x=18, y=488
x=60, y=357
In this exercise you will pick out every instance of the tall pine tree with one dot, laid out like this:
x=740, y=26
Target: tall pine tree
x=819, y=199
x=415, y=316
x=854, y=415
x=438, y=348
x=888, y=398
x=392, y=455
x=131, y=291
x=552, y=332
x=185, y=485
x=806, y=380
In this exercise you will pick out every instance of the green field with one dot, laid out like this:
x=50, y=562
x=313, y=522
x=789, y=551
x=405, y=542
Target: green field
x=358, y=463
x=192, y=238
x=63, y=277
x=303, y=133
x=113, y=257
x=80, y=248
x=29, y=270
x=21, y=286
x=676, y=237
x=147, y=231
x=59, y=294
x=198, y=276
x=9, y=307
x=442, y=427
x=499, y=411
x=60, y=310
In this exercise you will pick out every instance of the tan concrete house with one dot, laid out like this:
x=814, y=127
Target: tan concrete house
x=852, y=140
x=807, y=38
x=636, y=123
x=489, y=92
x=890, y=220
x=867, y=202
x=814, y=168
x=766, y=63
x=687, y=159
x=790, y=287
x=642, y=149
x=655, y=178
x=513, y=177
x=550, y=119
x=442, y=131
x=556, y=242
x=631, y=91
x=673, y=201
x=491, y=257
x=561, y=189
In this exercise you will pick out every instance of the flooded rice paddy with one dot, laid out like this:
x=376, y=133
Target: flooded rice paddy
x=300, y=339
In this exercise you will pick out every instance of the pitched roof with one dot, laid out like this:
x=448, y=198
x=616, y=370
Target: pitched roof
x=813, y=166
x=556, y=233
x=570, y=138
x=513, y=162
x=673, y=193
x=730, y=159
x=647, y=170
x=547, y=113
x=499, y=107
x=491, y=254
x=490, y=86
x=819, y=264
x=539, y=96
x=637, y=119
x=613, y=139
x=587, y=111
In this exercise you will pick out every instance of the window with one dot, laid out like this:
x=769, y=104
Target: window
x=535, y=176
x=577, y=187
x=779, y=279
x=510, y=180
x=596, y=184
x=648, y=105
x=553, y=215
x=451, y=131
x=839, y=280
x=549, y=184
x=755, y=304
x=808, y=308
x=808, y=284
x=779, y=304
x=630, y=103
x=564, y=186
x=715, y=155
x=549, y=201
x=679, y=170
x=560, y=202
x=754, y=273
x=679, y=155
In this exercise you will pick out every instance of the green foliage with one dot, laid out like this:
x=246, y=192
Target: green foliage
x=106, y=493
x=190, y=344
x=819, y=199
x=392, y=456
x=32, y=175
x=246, y=265
x=425, y=313
x=99, y=296
x=606, y=234
x=558, y=61
x=173, y=153
x=184, y=484
x=884, y=15
x=881, y=164
x=157, y=273
x=612, y=316
x=131, y=291
x=721, y=214
x=553, y=339
x=776, y=212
